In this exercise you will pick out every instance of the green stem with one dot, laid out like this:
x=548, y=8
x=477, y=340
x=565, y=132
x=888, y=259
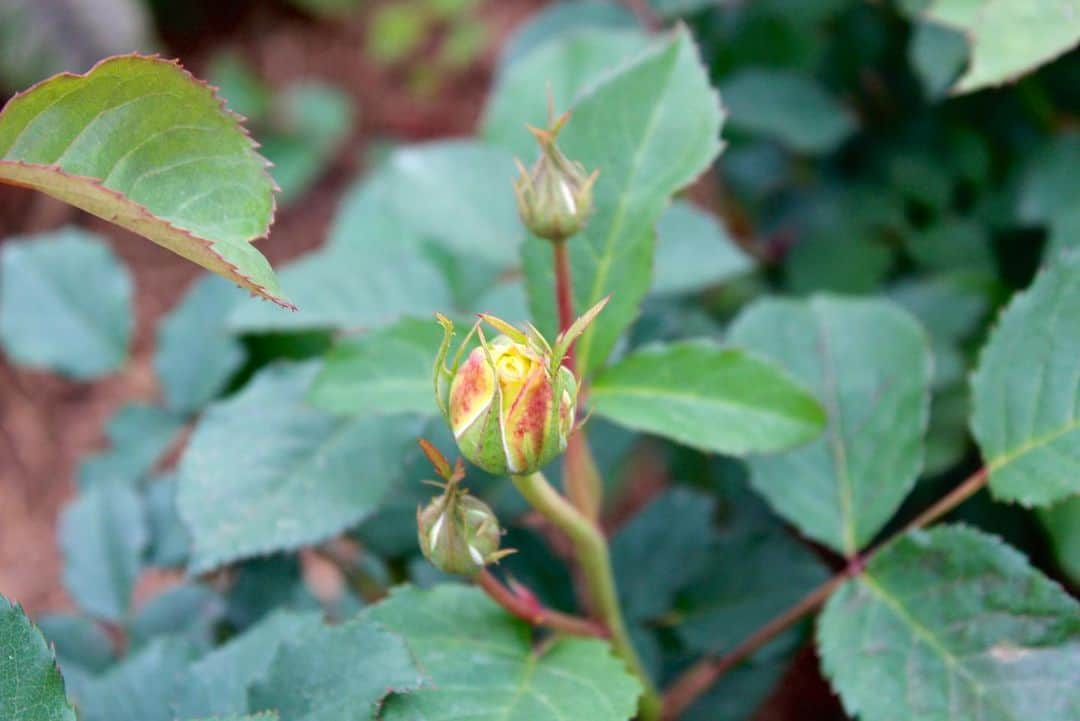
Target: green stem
x=591, y=549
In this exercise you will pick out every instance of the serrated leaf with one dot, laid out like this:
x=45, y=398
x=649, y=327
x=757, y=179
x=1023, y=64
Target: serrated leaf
x=373, y=270
x=869, y=363
x=140, y=142
x=1009, y=38
x=139, y=688
x=48, y=283
x=554, y=21
x=218, y=682
x=668, y=124
x=195, y=356
x=788, y=106
x=338, y=673
x=263, y=471
x=654, y=558
x=694, y=251
x=482, y=665
x=952, y=623
x=103, y=535
x=708, y=397
x=383, y=372
x=30, y=684
x=1025, y=400
x=566, y=66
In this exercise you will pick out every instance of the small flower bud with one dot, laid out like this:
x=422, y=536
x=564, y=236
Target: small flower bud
x=458, y=533
x=555, y=196
x=511, y=404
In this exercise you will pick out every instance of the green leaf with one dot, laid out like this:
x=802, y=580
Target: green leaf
x=264, y=716
x=384, y=372
x=847, y=262
x=1047, y=186
x=138, y=436
x=195, y=357
x=79, y=642
x=694, y=251
x=938, y=55
x=788, y=106
x=34, y=45
x=668, y=120
x=952, y=623
x=30, y=684
x=482, y=664
x=752, y=575
x=310, y=124
x=48, y=283
x=187, y=610
x=339, y=673
x=373, y=270
x=468, y=198
x=170, y=542
x=1064, y=233
x=567, y=64
x=1025, y=400
x=707, y=397
x=870, y=365
x=560, y=19
x=140, y=142
x=1009, y=38
x=103, y=535
x=141, y=687
x=218, y=682
x=1062, y=524
x=654, y=558
x=265, y=472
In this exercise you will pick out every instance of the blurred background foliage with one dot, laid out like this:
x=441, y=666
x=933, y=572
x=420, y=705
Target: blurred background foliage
x=852, y=166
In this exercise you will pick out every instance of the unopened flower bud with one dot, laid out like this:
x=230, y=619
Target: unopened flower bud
x=554, y=196
x=458, y=533
x=511, y=404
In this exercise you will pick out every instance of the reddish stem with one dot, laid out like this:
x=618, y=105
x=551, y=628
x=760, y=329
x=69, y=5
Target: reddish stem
x=527, y=607
x=699, y=677
x=564, y=295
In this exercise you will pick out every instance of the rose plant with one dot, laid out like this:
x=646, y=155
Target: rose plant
x=667, y=454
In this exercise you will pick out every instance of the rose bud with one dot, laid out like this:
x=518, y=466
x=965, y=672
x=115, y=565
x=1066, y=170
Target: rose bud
x=555, y=196
x=511, y=404
x=458, y=533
